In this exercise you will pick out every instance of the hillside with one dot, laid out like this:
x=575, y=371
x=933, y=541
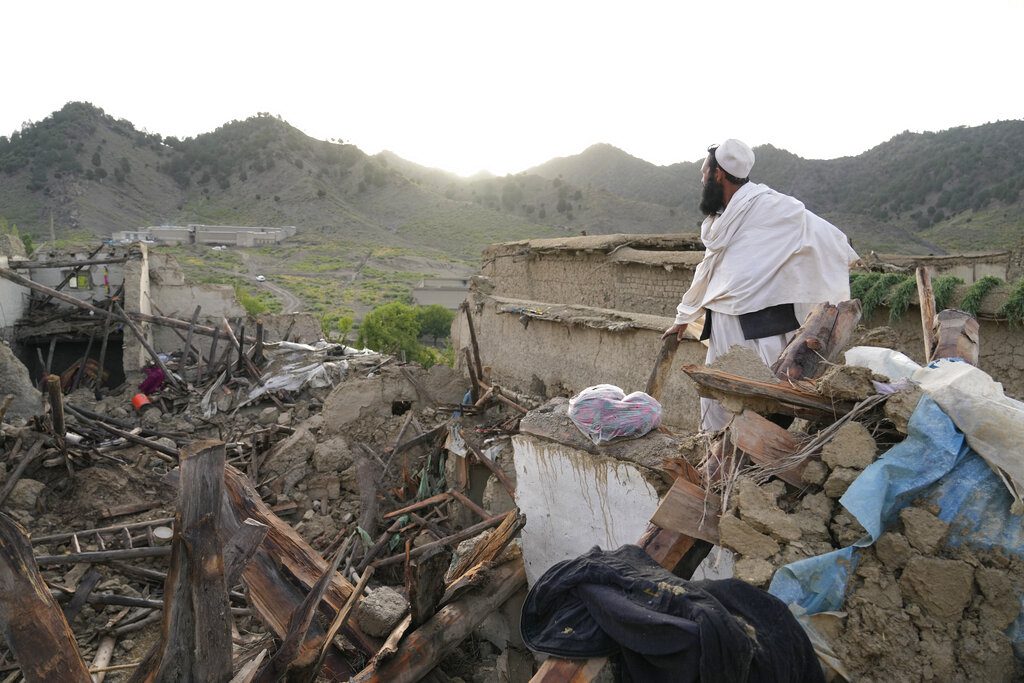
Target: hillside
x=955, y=190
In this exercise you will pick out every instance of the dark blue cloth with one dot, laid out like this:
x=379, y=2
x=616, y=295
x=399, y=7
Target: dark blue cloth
x=663, y=628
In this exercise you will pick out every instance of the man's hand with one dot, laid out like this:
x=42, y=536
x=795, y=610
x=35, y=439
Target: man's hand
x=677, y=330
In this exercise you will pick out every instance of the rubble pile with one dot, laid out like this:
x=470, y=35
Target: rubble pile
x=917, y=607
x=393, y=475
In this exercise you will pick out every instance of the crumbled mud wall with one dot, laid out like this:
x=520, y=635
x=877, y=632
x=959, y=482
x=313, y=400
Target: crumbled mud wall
x=552, y=358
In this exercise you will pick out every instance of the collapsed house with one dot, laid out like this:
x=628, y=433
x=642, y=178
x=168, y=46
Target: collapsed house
x=287, y=509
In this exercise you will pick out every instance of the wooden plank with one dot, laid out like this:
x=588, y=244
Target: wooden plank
x=36, y=632
x=791, y=398
x=687, y=509
x=766, y=443
x=926, y=298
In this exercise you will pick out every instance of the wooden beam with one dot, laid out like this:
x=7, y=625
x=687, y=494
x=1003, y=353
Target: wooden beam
x=284, y=567
x=195, y=640
x=824, y=333
x=67, y=263
x=791, y=398
x=36, y=632
x=766, y=444
x=957, y=336
x=689, y=510
x=425, y=647
x=926, y=298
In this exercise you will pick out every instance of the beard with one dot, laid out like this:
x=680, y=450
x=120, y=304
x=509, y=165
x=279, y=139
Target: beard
x=712, y=198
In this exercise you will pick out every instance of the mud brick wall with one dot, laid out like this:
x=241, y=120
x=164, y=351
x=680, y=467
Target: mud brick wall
x=552, y=358
x=590, y=279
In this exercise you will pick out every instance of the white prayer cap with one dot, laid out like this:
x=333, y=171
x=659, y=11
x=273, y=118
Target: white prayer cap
x=735, y=158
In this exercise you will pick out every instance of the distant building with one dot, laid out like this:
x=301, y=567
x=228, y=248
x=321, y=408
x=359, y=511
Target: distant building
x=449, y=292
x=194, y=233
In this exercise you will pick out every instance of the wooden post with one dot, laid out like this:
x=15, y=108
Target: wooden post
x=474, y=381
x=34, y=628
x=472, y=340
x=103, y=348
x=926, y=297
x=213, y=354
x=188, y=347
x=241, y=348
x=56, y=397
x=85, y=360
x=195, y=641
x=49, y=356
x=257, y=353
x=957, y=336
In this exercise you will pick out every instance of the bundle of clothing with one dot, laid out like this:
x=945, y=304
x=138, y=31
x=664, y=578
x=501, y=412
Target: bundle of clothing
x=662, y=628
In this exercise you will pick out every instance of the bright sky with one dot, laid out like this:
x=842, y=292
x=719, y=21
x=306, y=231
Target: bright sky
x=503, y=86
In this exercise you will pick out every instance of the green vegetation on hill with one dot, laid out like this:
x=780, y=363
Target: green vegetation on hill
x=953, y=190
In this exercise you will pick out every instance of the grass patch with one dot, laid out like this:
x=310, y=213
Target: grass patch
x=977, y=292
x=943, y=289
x=901, y=296
x=878, y=293
x=1013, y=309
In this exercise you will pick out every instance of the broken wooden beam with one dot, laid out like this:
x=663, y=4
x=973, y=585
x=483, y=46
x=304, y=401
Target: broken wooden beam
x=23, y=465
x=300, y=650
x=826, y=331
x=468, y=532
x=797, y=398
x=101, y=556
x=55, y=395
x=195, y=639
x=957, y=336
x=689, y=510
x=283, y=568
x=425, y=647
x=767, y=444
x=36, y=632
x=477, y=366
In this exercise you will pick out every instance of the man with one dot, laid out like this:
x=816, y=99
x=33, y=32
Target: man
x=768, y=261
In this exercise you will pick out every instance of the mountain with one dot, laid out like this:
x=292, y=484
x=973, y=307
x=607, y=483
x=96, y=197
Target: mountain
x=959, y=189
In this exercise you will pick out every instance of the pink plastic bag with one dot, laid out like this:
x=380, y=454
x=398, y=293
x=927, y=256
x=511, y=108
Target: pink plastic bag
x=604, y=412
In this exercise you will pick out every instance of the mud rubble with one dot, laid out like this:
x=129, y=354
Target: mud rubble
x=917, y=608
x=329, y=459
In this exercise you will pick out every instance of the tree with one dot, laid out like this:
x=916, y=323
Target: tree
x=392, y=328
x=435, y=321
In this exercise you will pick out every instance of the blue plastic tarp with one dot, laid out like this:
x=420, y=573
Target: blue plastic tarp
x=933, y=463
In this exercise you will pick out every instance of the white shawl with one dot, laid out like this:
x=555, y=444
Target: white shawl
x=766, y=249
